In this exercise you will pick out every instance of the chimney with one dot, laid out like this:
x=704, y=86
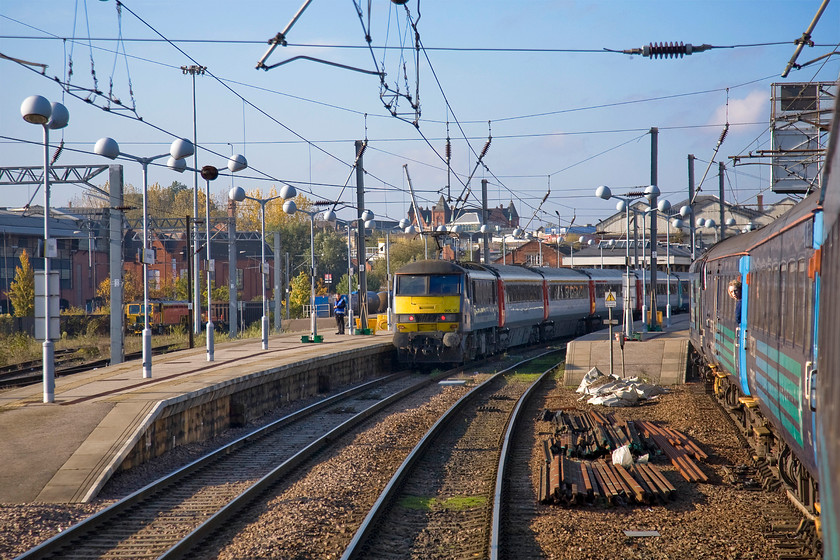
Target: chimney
x=760, y=201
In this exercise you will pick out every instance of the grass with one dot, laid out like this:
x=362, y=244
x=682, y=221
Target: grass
x=19, y=347
x=455, y=503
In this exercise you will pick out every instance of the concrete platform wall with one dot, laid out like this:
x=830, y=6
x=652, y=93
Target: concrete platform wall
x=660, y=361
x=204, y=414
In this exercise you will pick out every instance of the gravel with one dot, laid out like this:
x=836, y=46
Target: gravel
x=316, y=516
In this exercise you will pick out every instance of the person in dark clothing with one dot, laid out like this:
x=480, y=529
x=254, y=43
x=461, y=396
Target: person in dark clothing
x=735, y=293
x=339, y=310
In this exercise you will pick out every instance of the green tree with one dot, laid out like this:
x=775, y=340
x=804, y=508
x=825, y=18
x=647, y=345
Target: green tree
x=299, y=297
x=330, y=253
x=22, y=291
x=341, y=287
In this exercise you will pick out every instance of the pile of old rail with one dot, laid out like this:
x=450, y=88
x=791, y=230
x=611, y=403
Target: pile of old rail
x=592, y=435
x=67, y=362
x=176, y=514
x=449, y=492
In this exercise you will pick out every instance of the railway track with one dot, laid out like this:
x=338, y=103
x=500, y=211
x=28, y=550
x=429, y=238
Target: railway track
x=448, y=497
x=177, y=513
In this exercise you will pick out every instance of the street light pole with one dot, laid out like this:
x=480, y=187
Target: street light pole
x=237, y=194
x=289, y=207
x=210, y=173
x=178, y=151
x=37, y=110
x=194, y=70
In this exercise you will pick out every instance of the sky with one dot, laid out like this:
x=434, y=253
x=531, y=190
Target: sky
x=565, y=115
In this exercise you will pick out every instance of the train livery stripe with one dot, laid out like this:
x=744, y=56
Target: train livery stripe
x=725, y=347
x=781, y=380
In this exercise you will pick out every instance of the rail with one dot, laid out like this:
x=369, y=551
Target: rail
x=373, y=520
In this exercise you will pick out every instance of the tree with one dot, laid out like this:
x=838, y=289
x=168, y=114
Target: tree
x=331, y=253
x=103, y=292
x=299, y=297
x=22, y=291
x=341, y=287
x=132, y=287
x=405, y=250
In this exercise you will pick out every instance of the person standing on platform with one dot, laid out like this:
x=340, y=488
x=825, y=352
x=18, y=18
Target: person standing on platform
x=339, y=310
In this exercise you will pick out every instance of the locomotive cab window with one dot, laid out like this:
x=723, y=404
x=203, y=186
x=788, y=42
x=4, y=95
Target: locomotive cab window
x=421, y=285
x=445, y=285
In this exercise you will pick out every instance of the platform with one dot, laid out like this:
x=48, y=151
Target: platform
x=659, y=357
x=111, y=418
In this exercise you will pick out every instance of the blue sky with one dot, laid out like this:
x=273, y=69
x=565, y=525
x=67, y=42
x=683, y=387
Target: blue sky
x=568, y=121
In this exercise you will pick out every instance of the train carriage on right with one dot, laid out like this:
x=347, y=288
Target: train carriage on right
x=754, y=325
x=828, y=349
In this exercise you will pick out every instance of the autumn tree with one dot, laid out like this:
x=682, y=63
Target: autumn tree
x=301, y=291
x=22, y=291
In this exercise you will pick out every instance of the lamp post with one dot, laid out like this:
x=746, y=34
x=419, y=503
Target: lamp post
x=664, y=206
x=210, y=173
x=289, y=207
x=36, y=109
x=178, y=150
x=238, y=194
x=623, y=205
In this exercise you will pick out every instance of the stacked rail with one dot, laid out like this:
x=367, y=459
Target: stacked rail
x=577, y=468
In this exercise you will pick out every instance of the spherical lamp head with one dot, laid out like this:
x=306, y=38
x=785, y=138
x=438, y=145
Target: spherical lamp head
x=178, y=165
x=651, y=192
x=237, y=163
x=403, y=223
x=287, y=192
x=36, y=109
x=289, y=207
x=590, y=242
x=678, y=223
x=237, y=194
x=483, y=228
x=411, y=230
x=603, y=192
x=685, y=211
x=370, y=224
x=209, y=173
x=710, y=223
x=517, y=232
x=60, y=116
x=455, y=228
x=107, y=147
x=730, y=222
x=621, y=205
x=664, y=205
x=181, y=148
x=367, y=215
x=329, y=215
x=700, y=222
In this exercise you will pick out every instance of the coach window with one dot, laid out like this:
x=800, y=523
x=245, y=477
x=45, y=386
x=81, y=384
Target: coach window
x=806, y=304
x=790, y=301
x=781, y=292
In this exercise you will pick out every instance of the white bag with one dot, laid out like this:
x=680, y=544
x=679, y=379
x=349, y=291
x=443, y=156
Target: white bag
x=622, y=456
